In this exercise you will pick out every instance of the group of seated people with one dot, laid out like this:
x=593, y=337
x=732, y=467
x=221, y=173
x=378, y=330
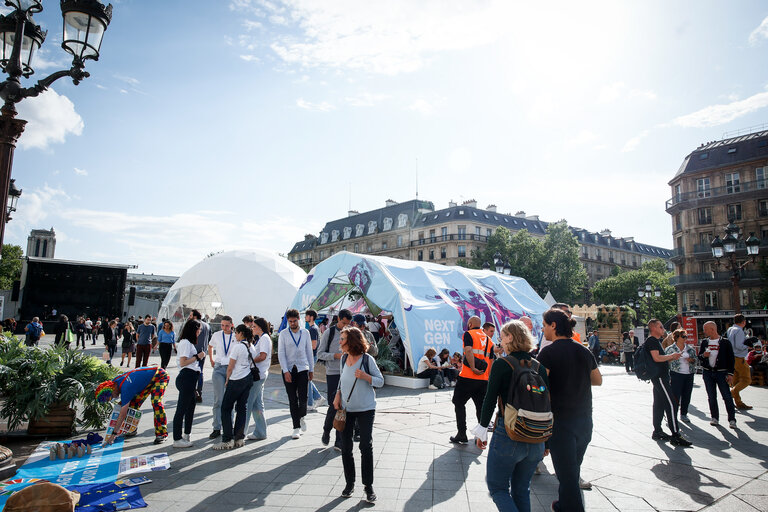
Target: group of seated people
x=441, y=369
x=757, y=357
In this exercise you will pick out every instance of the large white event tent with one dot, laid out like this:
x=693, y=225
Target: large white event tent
x=430, y=303
x=235, y=283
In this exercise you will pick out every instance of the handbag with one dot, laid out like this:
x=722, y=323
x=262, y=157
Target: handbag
x=69, y=336
x=340, y=420
x=255, y=373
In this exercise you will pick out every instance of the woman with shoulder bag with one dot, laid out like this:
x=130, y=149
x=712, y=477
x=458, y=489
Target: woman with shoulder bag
x=241, y=373
x=186, y=382
x=511, y=464
x=681, y=371
x=356, y=399
x=128, y=346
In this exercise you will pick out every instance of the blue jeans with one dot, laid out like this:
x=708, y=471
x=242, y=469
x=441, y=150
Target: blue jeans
x=218, y=379
x=255, y=407
x=312, y=394
x=509, y=470
x=569, y=441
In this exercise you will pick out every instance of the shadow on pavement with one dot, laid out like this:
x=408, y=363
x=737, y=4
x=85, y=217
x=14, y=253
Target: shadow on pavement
x=437, y=481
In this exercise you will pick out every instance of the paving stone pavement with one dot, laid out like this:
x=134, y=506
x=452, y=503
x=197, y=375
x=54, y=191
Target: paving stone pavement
x=417, y=469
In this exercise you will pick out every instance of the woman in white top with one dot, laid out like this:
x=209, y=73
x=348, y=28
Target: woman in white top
x=262, y=345
x=238, y=386
x=186, y=382
x=427, y=369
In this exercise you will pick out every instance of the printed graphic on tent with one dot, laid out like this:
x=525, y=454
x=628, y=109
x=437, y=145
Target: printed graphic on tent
x=430, y=303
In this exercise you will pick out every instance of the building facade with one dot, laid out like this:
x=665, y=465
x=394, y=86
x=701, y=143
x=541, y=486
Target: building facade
x=719, y=182
x=41, y=243
x=415, y=230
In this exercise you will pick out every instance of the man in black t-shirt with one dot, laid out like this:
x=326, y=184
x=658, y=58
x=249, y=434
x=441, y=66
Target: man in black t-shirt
x=664, y=401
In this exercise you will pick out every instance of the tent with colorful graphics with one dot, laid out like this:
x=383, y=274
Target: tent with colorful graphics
x=430, y=303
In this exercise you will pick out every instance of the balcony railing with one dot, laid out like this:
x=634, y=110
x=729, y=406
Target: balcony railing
x=712, y=277
x=448, y=238
x=747, y=186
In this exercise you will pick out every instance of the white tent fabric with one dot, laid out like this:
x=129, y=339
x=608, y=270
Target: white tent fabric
x=430, y=303
x=235, y=283
x=549, y=299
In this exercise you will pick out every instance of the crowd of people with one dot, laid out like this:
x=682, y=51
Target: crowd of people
x=559, y=371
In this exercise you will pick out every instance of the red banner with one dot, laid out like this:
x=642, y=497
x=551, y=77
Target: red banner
x=689, y=324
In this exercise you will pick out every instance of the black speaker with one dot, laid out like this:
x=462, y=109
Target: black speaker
x=15, y=291
x=132, y=296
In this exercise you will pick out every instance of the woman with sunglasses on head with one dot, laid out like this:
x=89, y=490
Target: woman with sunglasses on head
x=682, y=370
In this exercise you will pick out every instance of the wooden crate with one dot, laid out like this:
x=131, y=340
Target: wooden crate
x=60, y=421
x=758, y=378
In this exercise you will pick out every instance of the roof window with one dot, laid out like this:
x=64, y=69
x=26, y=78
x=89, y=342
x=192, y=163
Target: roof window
x=474, y=213
x=461, y=212
x=762, y=143
x=731, y=151
x=703, y=156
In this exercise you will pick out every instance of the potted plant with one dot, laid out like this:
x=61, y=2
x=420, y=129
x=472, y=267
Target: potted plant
x=51, y=388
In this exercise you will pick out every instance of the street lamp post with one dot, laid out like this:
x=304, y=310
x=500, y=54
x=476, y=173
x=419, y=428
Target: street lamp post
x=14, y=193
x=499, y=265
x=85, y=22
x=727, y=248
x=648, y=292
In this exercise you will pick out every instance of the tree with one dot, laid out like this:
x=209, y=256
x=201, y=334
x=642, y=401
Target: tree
x=564, y=274
x=10, y=265
x=623, y=287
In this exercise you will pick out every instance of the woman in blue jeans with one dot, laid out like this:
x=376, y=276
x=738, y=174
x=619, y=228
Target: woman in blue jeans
x=262, y=345
x=510, y=463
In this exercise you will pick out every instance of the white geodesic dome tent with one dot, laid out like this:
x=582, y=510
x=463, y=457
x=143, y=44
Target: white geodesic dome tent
x=235, y=283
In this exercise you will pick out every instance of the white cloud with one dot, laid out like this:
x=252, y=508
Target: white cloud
x=618, y=90
x=759, y=33
x=35, y=206
x=317, y=107
x=50, y=117
x=715, y=115
x=81, y=172
x=251, y=25
x=128, y=79
x=634, y=142
x=366, y=99
x=250, y=58
x=397, y=36
x=426, y=107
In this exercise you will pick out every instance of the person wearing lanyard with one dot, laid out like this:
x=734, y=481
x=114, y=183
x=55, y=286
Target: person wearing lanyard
x=294, y=351
x=218, y=354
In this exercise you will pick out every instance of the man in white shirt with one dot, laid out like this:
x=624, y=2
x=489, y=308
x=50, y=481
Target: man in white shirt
x=89, y=331
x=219, y=349
x=294, y=351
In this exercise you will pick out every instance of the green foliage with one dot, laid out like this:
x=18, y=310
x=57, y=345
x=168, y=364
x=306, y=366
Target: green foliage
x=628, y=317
x=623, y=287
x=616, y=270
x=762, y=296
x=34, y=379
x=384, y=359
x=10, y=265
x=551, y=264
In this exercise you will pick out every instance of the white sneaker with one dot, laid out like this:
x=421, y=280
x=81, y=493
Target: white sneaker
x=311, y=407
x=732, y=424
x=254, y=437
x=432, y=386
x=182, y=443
x=320, y=402
x=224, y=445
x=303, y=425
x=453, y=383
x=583, y=484
x=540, y=468
x=684, y=418
x=714, y=422
x=185, y=437
x=296, y=433
x=239, y=443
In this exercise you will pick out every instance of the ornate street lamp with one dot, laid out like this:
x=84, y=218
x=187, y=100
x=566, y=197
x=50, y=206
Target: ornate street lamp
x=507, y=268
x=499, y=266
x=486, y=266
x=496, y=258
x=727, y=249
x=85, y=22
x=13, y=197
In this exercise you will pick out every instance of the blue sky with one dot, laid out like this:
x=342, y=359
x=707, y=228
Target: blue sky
x=209, y=126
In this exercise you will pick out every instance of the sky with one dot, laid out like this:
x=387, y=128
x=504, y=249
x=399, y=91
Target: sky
x=236, y=124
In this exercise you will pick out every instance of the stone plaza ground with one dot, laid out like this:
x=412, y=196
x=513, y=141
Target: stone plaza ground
x=417, y=469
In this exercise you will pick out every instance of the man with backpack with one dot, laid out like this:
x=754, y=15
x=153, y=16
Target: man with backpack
x=33, y=329
x=664, y=401
x=329, y=353
x=473, y=378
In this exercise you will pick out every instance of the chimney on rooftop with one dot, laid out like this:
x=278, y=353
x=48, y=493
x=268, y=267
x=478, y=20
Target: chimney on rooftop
x=390, y=202
x=491, y=208
x=531, y=217
x=471, y=203
x=451, y=203
x=309, y=237
x=352, y=213
x=520, y=214
x=606, y=233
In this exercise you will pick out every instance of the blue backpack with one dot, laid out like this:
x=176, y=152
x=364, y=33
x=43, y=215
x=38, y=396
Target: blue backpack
x=34, y=331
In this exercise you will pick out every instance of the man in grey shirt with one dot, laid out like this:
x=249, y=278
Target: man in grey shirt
x=202, y=346
x=146, y=335
x=329, y=353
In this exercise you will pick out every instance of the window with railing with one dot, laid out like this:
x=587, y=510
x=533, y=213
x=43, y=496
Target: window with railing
x=703, y=187
x=442, y=253
x=399, y=240
x=462, y=232
x=705, y=216
x=678, y=222
x=761, y=177
x=734, y=212
x=710, y=300
x=420, y=255
x=762, y=208
x=732, y=183
x=462, y=251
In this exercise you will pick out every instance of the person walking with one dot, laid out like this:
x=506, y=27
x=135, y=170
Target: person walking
x=628, y=349
x=239, y=382
x=186, y=382
x=218, y=354
x=681, y=371
x=355, y=395
x=146, y=335
x=34, y=330
x=718, y=361
x=129, y=343
x=294, y=351
x=80, y=333
x=255, y=407
x=329, y=353
x=473, y=378
x=89, y=330
x=664, y=400
x=166, y=342
x=572, y=372
x=61, y=332
x=110, y=340
x=742, y=376
x=511, y=464
x=133, y=387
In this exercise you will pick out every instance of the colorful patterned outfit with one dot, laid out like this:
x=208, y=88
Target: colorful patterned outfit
x=136, y=385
